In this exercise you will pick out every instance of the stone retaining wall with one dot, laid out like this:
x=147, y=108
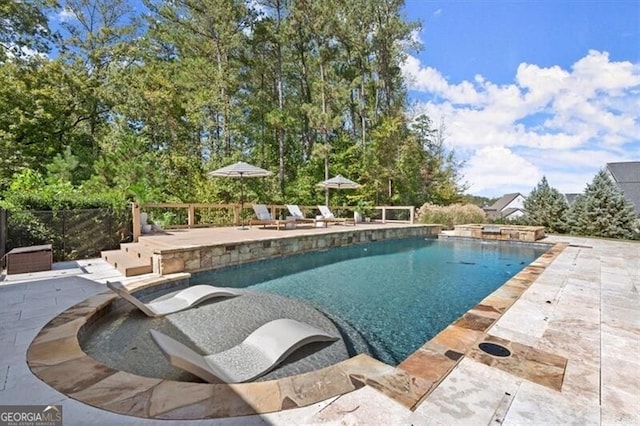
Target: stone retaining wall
x=205, y=258
x=500, y=232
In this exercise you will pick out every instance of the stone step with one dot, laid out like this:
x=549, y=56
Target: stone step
x=139, y=250
x=128, y=263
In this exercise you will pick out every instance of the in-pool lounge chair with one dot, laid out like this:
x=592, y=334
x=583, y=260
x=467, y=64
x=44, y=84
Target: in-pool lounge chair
x=173, y=302
x=328, y=217
x=296, y=213
x=259, y=353
x=264, y=218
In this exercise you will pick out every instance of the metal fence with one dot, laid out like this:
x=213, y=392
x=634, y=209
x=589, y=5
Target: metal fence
x=74, y=234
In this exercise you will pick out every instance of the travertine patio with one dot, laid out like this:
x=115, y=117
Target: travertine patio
x=584, y=308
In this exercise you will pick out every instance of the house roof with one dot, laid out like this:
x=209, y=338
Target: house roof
x=627, y=177
x=571, y=197
x=627, y=172
x=504, y=201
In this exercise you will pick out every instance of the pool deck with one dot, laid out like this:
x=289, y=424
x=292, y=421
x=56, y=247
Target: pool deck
x=584, y=307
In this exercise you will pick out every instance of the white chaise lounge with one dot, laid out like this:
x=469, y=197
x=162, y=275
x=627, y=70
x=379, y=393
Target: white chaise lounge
x=264, y=218
x=178, y=301
x=259, y=353
x=296, y=213
x=328, y=217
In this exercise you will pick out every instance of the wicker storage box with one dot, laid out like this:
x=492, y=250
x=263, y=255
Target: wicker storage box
x=29, y=259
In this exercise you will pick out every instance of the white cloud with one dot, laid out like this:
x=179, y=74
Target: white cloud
x=546, y=109
x=496, y=166
x=67, y=15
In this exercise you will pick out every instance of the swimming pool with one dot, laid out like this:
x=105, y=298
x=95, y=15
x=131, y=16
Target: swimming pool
x=389, y=297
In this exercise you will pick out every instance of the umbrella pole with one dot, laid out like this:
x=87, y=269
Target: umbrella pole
x=241, y=203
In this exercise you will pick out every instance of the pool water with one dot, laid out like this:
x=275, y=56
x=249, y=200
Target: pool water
x=388, y=298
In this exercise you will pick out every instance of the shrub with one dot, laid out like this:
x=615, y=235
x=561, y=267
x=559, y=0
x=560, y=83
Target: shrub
x=449, y=216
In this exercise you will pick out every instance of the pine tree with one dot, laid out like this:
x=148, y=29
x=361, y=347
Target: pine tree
x=545, y=206
x=604, y=212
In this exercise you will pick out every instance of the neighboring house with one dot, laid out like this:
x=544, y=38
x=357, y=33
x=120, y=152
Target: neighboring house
x=570, y=198
x=509, y=206
x=627, y=176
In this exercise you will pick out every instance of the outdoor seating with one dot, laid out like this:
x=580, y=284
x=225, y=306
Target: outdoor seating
x=173, y=302
x=298, y=216
x=329, y=217
x=258, y=354
x=264, y=218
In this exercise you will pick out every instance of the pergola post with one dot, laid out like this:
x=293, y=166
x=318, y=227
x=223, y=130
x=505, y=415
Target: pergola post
x=137, y=227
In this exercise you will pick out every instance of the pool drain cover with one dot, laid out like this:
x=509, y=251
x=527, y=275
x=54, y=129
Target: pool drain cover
x=494, y=349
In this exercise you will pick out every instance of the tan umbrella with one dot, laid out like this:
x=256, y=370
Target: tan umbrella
x=338, y=182
x=240, y=170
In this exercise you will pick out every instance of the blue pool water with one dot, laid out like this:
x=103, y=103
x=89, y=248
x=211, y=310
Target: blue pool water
x=388, y=298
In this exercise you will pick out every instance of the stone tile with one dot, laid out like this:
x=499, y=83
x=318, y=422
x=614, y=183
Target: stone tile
x=504, y=332
x=304, y=389
x=471, y=321
x=540, y=293
x=427, y=364
x=621, y=375
x=470, y=395
x=582, y=379
x=577, y=328
x=456, y=338
x=621, y=317
x=628, y=301
x=568, y=346
x=621, y=346
x=526, y=317
x=526, y=362
x=535, y=404
x=293, y=416
x=363, y=406
x=619, y=407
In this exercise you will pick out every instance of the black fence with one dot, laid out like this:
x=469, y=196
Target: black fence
x=74, y=234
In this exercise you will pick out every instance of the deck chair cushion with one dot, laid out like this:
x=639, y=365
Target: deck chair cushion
x=174, y=302
x=258, y=354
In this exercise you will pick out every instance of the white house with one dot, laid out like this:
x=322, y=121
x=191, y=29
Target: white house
x=509, y=206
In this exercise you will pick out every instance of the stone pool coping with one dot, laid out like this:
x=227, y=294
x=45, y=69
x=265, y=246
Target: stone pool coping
x=55, y=356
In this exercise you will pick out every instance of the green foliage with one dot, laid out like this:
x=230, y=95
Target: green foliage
x=603, y=211
x=451, y=215
x=130, y=111
x=24, y=28
x=545, y=206
x=477, y=200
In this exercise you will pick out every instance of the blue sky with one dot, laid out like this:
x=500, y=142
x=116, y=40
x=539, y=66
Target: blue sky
x=529, y=88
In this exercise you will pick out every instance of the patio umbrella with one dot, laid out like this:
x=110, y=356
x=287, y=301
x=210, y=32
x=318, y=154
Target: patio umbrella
x=240, y=170
x=338, y=182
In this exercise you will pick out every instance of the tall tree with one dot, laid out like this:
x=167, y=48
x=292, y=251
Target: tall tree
x=546, y=206
x=604, y=211
x=97, y=41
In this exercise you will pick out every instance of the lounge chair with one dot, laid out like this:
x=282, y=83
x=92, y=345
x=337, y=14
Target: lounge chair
x=297, y=214
x=259, y=353
x=328, y=217
x=264, y=218
x=178, y=301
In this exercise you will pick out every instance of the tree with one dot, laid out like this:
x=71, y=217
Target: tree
x=437, y=180
x=545, y=206
x=603, y=211
x=24, y=28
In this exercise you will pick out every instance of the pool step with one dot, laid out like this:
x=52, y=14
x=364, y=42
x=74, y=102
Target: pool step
x=128, y=262
x=138, y=250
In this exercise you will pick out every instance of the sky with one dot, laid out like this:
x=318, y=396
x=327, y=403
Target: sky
x=529, y=88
